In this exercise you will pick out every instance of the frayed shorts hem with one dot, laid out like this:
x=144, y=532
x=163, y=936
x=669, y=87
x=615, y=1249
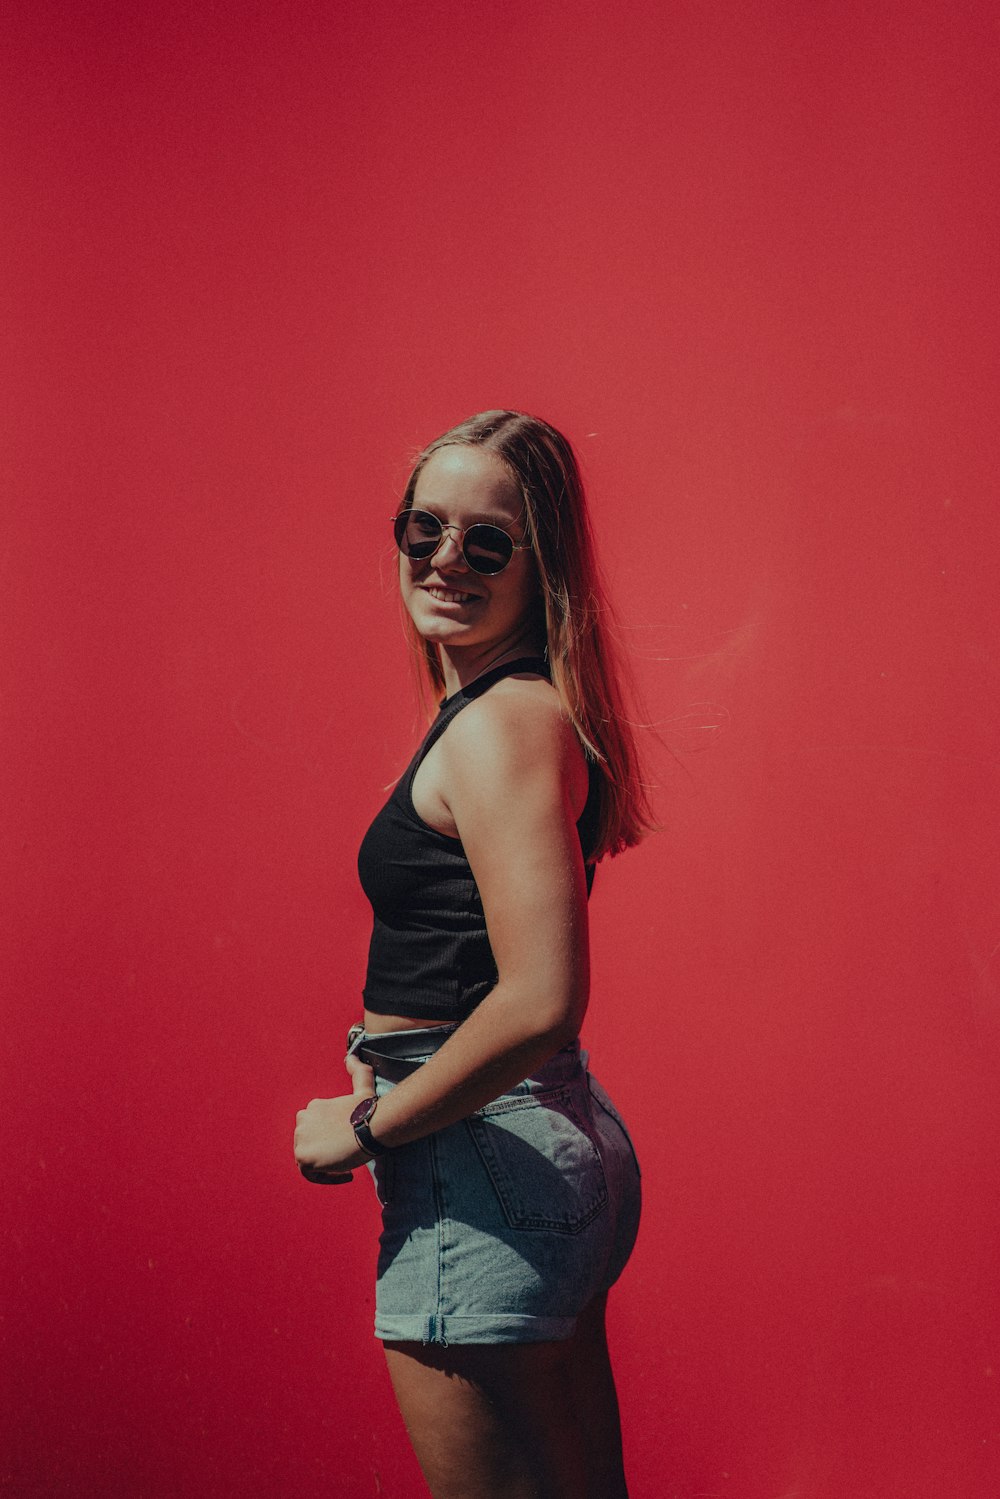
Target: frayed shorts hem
x=447, y=1329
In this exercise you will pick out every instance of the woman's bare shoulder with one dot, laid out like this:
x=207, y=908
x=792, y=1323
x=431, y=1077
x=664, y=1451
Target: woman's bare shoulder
x=512, y=709
x=516, y=729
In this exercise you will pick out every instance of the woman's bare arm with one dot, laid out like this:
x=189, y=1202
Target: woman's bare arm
x=508, y=775
x=508, y=766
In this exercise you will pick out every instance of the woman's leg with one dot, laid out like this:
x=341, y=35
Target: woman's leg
x=595, y=1401
x=514, y=1420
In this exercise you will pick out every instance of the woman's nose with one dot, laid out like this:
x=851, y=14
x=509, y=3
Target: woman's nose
x=449, y=553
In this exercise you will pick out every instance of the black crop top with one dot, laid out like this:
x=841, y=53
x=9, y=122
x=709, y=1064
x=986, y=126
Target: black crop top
x=430, y=956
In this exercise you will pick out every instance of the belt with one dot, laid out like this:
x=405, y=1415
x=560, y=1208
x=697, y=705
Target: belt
x=396, y=1054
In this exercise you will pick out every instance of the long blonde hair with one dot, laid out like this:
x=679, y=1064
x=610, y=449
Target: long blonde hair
x=583, y=659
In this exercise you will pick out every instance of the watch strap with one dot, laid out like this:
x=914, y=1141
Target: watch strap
x=362, y=1130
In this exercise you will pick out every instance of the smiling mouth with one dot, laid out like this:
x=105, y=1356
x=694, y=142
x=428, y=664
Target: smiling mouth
x=450, y=595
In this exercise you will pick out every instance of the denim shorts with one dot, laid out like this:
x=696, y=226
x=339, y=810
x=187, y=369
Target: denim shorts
x=504, y=1226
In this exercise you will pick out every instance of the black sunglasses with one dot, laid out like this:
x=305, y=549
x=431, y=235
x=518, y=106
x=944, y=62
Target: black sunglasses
x=487, y=549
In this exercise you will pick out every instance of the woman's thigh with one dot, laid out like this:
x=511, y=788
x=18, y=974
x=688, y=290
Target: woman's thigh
x=522, y=1420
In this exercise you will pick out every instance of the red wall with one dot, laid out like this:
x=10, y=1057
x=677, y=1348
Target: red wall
x=746, y=256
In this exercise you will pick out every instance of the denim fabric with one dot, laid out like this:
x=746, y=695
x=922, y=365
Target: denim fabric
x=502, y=1227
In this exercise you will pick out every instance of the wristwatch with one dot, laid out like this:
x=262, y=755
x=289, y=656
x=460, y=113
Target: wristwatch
x=362, y=1133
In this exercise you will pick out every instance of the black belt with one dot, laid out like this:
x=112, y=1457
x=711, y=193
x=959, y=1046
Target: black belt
x=398, y=1053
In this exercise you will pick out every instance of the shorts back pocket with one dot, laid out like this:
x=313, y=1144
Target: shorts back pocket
x=543, y=1164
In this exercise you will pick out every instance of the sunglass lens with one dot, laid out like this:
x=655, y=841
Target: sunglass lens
x=487, y=549
x=417, y=533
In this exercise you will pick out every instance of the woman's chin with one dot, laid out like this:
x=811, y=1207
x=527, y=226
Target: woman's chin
x=444, y=625
x=441, y=629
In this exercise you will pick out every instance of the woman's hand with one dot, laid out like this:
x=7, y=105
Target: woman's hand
x=326, y=1150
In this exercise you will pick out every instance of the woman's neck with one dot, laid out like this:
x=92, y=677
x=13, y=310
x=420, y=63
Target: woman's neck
x=460, y=668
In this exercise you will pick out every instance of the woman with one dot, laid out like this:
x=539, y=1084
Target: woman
x=509, y=1189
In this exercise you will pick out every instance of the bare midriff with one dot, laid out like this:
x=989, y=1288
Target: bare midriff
x=378, y=1025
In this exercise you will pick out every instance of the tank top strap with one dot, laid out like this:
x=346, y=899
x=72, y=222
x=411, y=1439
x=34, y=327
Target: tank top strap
x=450, y=707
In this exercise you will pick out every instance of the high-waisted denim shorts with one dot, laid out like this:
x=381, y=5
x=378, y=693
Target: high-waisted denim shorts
x=504, y=1226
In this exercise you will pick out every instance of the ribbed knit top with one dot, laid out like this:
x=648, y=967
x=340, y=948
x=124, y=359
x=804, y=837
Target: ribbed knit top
x=430, y=956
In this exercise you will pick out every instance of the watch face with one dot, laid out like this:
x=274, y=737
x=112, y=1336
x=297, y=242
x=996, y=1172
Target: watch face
x=363, y=1112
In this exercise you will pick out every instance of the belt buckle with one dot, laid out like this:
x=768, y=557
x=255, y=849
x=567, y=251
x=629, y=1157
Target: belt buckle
x=356, y=1030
